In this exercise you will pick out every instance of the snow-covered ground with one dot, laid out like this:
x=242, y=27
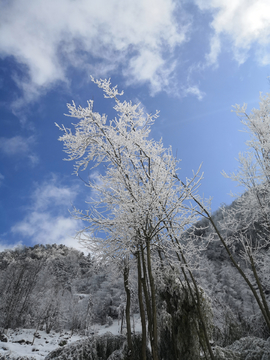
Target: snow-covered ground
x=44, y=344
x=19, y=341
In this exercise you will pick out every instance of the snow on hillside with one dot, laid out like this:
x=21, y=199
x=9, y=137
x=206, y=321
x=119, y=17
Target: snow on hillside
x=19, y=341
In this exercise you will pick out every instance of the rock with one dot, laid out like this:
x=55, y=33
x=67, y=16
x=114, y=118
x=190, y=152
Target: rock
x=62, y=343
x=3, y=337
x=20, y=341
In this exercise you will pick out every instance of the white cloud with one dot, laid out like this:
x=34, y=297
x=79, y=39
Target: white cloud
x=47, y=220
x=52, y=192
x=244, y=23
x=5, y=246
x=19, y=146
x=44, y=228
x=48, y=36
x=15, y=145
x=194, y=90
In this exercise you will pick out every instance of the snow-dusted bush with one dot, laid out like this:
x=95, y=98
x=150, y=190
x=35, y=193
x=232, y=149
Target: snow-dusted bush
x=94, y=348
x=109, y=321
x=181, y=334
x=249, y=348
x=104, y=347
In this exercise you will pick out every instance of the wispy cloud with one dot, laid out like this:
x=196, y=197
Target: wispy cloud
x=19, y=146
x=52, y=192
x=43, y=228
x=47, y=219
x=6, y=246
x=194, y=90
x=242, y=24
x=142, y=40
x=16, y=145
x=49, y=36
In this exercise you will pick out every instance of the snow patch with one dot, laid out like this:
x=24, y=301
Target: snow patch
x=20, y=340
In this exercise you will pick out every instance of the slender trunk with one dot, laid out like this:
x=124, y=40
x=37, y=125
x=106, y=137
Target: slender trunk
x=126, y=285
x=143, y=321
x=153, y=298
x=122, y=322
x=35, y=333
x=145, y=285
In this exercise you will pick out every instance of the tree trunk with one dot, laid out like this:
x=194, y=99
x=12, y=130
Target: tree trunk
x=143, y=321
x=147, y=296
x=153, y=298
x=126, y=285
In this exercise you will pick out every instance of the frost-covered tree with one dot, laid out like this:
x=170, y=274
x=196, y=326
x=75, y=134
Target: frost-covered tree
x=19, y=278
x=39, y=286
x=139, y=208
x=244, y=227
x=248, y=221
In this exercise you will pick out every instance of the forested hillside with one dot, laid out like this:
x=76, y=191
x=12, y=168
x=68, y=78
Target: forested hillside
x=55, y=287
x=236, y=311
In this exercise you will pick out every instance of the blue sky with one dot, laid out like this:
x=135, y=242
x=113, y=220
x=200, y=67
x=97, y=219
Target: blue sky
x=190, y=59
